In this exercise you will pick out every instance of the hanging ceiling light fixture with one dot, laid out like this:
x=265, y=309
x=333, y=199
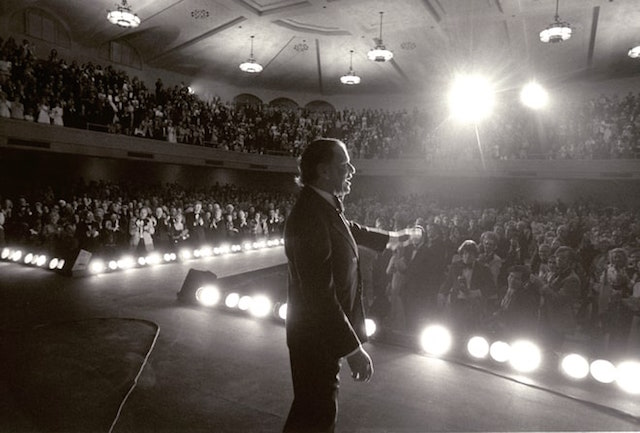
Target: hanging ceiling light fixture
x=634, y=52
x=350, y=78
x=379, y=53
x=251, y=66
x=557, y=31
x=123, y=17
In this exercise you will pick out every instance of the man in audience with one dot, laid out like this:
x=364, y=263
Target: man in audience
x=560, y=299
x=468, y=292
x=518, y=311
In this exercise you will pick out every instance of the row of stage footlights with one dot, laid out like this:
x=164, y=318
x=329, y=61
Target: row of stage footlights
x=98, y=265
x=436, y=340
x=524, y=356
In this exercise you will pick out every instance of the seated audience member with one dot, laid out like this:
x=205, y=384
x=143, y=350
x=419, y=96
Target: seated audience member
x=468, y=292
x=560, y=299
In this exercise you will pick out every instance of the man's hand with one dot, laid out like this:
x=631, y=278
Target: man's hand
x=361, y=366
x=404, y=237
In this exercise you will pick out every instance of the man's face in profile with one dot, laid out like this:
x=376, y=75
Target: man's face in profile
x=340, y=171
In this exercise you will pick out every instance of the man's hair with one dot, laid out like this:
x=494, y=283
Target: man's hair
x=319, y=151
x=523, y=270
x=490, y=236
x=470, y=246
x=571, y=254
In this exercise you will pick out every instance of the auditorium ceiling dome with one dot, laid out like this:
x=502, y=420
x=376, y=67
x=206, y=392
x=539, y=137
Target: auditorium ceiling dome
x=303, y=44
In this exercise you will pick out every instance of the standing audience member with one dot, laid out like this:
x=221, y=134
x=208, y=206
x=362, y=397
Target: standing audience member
x=142, y=229
x=560, y=299
x=614, y=286
x=468, y=292
x=518, y=311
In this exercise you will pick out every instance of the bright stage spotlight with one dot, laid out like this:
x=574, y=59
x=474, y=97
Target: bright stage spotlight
x=500, y=351
x=629, y=376
x=142, y=261
x=435, y=340
x=478, y=347
x=575, y=366
x=60, y=264
x=232, y=300
x=153, y=259
x=370, y=327
x=260, y=306
x=533, y=95
x=245, y=302
x=17, y=255
x=53, y=263
x=28, y=258
x=96, y=267
x=113, y=265
x=525, y=356
x=282, y=311
x=185, y=254
x=208, y=295
x=6, y=252
x=471, y=98
x=603, y=371
x=126, y=262
x=41, y=260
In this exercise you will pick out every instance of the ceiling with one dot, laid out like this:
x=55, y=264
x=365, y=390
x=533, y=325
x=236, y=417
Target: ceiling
x=304, y=44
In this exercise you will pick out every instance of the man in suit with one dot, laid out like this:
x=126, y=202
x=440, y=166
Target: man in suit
x=325, y=315
x=468, y=290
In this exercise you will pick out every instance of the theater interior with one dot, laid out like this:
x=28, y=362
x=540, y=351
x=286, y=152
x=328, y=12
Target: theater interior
x=192, y=339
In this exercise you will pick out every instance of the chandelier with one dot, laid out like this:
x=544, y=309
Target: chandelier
x=123, y=17
x=251, y=66
x=557, y=31
x=350, y=78
x=379, y=53
x=634, y=52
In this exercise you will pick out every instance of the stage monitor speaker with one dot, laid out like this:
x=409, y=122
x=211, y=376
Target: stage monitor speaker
x=76, y=263
x=195, y=279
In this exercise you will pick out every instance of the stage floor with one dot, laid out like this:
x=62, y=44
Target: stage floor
x=212, y=371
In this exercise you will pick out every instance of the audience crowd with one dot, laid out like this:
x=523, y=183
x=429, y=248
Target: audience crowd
x=107, y=219
x=557, y=270
x=88, y=95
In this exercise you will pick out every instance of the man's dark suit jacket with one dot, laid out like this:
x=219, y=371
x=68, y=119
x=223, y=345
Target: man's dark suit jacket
x=325, y=289
x=481, y=279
